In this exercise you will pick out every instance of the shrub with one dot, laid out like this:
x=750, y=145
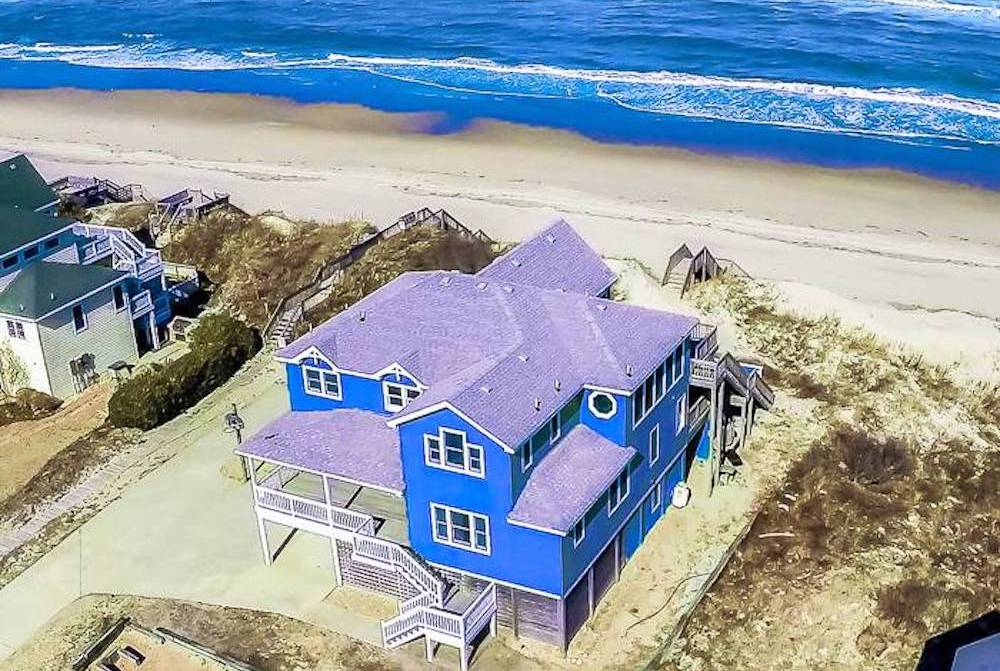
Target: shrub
x=28, y=404
x=219, y=346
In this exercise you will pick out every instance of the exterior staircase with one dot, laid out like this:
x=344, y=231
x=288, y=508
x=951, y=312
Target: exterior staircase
x=127, y=251
x=435, y=611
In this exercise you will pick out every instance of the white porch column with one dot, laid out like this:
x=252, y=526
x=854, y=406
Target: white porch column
x=338, y=576
x=263, y=540
x=154, y=337
x=429, y=648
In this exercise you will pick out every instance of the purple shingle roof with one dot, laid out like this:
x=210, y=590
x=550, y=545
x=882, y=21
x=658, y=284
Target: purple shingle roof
x=558, y=259
x=351, y=444
x=507, y=355
x=569, y=479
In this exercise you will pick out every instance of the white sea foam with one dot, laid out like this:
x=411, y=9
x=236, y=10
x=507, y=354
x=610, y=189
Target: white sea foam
x=990, y=11
x=889, y=112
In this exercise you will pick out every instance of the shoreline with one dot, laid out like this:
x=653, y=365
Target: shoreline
x=914, y=258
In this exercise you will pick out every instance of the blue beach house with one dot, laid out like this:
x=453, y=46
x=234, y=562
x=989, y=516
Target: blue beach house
x=491, y=449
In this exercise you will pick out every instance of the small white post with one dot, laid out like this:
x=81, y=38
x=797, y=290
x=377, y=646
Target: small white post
x=465, y=657
x=429, y=648
x=263, y=540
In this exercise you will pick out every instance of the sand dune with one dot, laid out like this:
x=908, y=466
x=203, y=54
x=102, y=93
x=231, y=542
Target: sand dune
x=914, y=259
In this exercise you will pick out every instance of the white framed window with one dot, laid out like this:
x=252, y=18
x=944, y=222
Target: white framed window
x=15, y=329
x=460, y=528
x=602, y=405
x=79, y=318
x=396, y=396
x=119, y=298
x=579, y=531
x=656, y=496
x=681, y=412
x=653, y=389
x=527, y=456
x=654, y=444
x=678, y=365
x=555, y=428
x=322, y=382
x=618, y=491
x=450, y=450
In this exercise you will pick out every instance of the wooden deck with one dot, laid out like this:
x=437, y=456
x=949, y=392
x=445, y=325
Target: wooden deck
x=388, y=510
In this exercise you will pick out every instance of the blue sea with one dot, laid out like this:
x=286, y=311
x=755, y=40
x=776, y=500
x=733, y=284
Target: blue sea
x=906, y=84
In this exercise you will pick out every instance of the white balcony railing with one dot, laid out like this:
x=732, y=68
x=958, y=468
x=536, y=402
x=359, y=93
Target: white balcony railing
x=703, y=372
x=142, y=303
x=698, y=412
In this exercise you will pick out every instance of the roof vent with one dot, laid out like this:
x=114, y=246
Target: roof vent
x=486, y=389
x=538, y=404
x=558, y=385
x=515, y=263
x=602, y=307
x=509, y=289
x=445, y=281
x=550, y=237
x=522, y=357
x=362, y=316
x=52, y=296
x=481, y=285
x=628, y=369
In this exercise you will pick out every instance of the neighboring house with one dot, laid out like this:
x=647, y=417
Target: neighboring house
x=491, y=449
x=74, y=298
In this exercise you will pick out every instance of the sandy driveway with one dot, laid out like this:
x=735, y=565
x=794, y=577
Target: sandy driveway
x=185, y=531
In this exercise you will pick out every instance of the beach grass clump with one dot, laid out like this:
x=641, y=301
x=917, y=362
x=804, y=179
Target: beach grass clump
x=254, y=264
x=416, y=249
x=898, y=499
x=219, y=346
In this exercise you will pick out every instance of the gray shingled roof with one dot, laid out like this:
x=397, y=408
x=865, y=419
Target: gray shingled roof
x=43, y=287
x=19, y=226
x=492, y=348
x=557, y=258
x=21, y=186
x=352, y=444
x=569, y=479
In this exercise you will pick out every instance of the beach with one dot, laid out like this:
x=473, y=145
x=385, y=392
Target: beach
x=915, y=260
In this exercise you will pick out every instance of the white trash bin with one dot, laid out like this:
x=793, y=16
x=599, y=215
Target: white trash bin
x=681, y=495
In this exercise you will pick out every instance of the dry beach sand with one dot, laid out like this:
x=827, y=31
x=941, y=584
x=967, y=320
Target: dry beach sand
x=913, y=259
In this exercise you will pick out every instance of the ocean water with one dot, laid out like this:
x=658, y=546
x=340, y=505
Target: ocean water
x=906, y=84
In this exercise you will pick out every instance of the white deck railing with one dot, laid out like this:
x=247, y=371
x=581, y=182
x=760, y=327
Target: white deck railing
x=142, y=303
x=698, y=411
x=702, y=372
x=311, y=509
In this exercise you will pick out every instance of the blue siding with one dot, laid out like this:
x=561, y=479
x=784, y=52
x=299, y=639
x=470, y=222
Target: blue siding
x=356, y=392
x=704, y=442
x=613, y=428
x=63, y=240
x=490, y=496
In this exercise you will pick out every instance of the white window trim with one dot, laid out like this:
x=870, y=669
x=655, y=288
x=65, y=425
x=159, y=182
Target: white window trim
x=554, y=420
x=621, y=495
x=593, y=409
x=15, y=329
x=681, y=408
x=666, y=387
x=322, y=393
x=676, y=371
x=657, y=496
x=655, y=431
x=392, y=407
x=582, y=525
x=125, y=300
x=86, y=322
x=444, y=465
x=527, y=449
x=448, y=510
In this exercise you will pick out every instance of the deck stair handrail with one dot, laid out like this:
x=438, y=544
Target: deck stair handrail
x=128, y=251
x=698, y=411
x=461, y=628
x=707, y=338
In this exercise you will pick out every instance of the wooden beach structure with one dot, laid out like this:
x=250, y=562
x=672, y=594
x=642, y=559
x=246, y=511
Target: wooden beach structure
x=292, y=309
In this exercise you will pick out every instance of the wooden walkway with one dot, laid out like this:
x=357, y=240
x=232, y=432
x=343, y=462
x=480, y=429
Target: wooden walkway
x=76, y=497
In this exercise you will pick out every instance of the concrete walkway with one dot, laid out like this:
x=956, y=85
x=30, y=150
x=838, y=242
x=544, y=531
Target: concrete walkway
x=186, y=532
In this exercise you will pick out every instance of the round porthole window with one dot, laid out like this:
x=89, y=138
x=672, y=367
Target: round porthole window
x=602, y=405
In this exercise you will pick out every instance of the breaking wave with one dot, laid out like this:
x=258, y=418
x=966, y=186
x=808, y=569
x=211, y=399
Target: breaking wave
x=889, y=112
